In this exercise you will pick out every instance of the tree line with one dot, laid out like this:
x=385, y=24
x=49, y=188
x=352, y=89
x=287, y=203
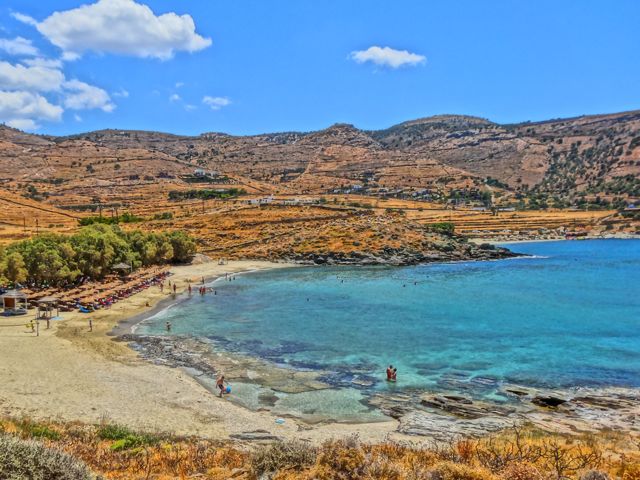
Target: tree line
x=53, y=259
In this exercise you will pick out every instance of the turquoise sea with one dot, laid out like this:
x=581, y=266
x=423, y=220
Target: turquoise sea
x=567, y=316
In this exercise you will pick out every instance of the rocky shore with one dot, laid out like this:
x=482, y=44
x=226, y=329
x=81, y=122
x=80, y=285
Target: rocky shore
x=452, y=250
x=421, y=414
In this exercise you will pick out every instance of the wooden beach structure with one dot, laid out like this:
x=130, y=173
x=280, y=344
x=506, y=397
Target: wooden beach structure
x=45, y=307
x=14, y=302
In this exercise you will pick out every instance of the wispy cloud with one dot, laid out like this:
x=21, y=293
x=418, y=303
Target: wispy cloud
x=122, y=93
x=388, y=57
x=18, y=46
x=216, y=103
x=26, y=19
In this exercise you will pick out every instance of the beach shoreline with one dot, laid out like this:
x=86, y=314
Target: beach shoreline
x=71, y=374
x=400, y=407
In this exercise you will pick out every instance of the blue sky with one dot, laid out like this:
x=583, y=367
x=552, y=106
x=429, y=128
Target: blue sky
x=256, y=66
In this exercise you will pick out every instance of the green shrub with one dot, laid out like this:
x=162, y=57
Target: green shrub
x=28, y=459
x=113, y=432
x=35, y=430
x=445, y=228
x=205, y=194
x=125, y=439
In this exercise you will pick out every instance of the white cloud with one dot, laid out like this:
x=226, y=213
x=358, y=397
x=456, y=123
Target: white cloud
x=216, y=103
x=82, y=96
x=21, y=17
x=77, y=117
x=120, y=27
x=43, y=62
x=175, y=98
x=179, y=84
x=190, y=108
x=20, y=77
x=122, y=93
x=18, y=46
x=388, y=57
x=25, y=124
x=21, y=109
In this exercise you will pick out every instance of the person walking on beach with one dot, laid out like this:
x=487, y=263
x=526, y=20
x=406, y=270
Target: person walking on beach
x=220, y=385
x=174, y=287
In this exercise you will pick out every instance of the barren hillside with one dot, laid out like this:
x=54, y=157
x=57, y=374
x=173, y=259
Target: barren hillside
x=436, y=169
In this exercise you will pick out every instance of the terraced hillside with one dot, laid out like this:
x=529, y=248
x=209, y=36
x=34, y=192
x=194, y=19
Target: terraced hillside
x=571, y=175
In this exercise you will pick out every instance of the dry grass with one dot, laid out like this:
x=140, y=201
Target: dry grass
x=517, y=454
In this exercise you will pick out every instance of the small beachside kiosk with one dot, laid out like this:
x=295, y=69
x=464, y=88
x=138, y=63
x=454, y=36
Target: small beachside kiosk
x=14, y=302
x=46, y=306
x=122, y=268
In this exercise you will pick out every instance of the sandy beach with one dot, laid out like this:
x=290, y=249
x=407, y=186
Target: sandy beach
x=69, y=373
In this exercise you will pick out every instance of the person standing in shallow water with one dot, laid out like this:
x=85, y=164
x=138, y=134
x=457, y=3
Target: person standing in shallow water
x=389, y=372
x=220, y=385
x=168, y=325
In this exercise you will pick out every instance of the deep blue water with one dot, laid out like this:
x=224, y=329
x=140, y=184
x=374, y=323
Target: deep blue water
x=570, y=316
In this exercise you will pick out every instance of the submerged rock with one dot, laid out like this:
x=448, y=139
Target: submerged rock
x=548, y=401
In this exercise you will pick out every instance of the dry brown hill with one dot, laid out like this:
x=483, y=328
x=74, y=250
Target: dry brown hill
x=569, y=159
x=592, y=162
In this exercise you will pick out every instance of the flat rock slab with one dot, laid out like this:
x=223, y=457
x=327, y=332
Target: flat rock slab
x=445, y=427
x=464, y=407
x=256, y=436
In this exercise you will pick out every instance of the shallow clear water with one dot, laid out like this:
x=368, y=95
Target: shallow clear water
x=568, y=317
